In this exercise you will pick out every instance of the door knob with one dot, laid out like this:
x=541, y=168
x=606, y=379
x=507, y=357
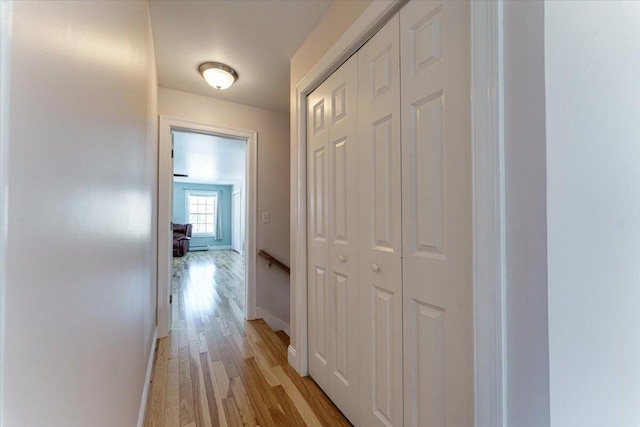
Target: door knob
x=375, y=267
x=341, y=258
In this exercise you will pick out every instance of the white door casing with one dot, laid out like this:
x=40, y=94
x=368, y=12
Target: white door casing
x=437, y=216
x=172, y=307
x=380, y=228
x=236, y=238
x=489, y=266
x=333, y=229
x=165, y=183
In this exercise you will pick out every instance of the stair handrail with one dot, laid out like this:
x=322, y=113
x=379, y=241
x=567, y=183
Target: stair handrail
x=275, y=261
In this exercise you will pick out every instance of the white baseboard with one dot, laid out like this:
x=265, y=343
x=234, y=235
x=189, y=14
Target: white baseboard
x=251, y=315
x=274, y=322
x=292, y=357
x=208, y=248
x=147, y=380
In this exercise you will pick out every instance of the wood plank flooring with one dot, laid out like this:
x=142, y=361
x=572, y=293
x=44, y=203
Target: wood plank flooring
x=216, y=369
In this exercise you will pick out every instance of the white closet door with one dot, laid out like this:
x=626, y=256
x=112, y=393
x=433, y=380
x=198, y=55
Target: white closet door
x=333, y=227
x=380, y=228
x=343, y=226
x=437, y=217
x=317, y=236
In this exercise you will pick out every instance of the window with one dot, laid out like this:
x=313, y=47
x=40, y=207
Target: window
x=202, y=209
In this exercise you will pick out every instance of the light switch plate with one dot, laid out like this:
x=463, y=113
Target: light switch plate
x=266, y=217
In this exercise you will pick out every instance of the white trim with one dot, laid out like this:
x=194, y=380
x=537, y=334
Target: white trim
x=371, y=20
x=233, y=193
x=209, y=248
x=274, y=322
x=147, y=379
x=489, y=215
x=5, y=58
x=291, y=355
x=165, y=183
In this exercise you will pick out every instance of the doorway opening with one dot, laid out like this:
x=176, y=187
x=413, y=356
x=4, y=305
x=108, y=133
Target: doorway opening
x=206, y=196
x=208, y=183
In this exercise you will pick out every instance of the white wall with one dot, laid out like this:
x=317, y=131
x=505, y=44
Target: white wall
x=79, y=312
x=272, y=285
x=527, y=365
x=592, y=59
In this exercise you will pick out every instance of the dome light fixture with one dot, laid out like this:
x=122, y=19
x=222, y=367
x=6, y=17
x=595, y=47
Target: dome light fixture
x=218, y=75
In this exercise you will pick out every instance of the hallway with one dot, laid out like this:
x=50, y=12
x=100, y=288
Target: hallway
x=215, y=369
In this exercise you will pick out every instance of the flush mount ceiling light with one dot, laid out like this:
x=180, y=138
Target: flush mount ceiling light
x=218, y=75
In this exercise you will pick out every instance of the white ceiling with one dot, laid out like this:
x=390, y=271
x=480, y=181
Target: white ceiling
x=255, y=37
x=208, y=159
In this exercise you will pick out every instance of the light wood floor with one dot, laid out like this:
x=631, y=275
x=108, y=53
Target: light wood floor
x=215, y=369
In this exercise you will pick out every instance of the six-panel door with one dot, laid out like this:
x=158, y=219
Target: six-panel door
x=436, y=214
x=380, y=228
x=333, y=236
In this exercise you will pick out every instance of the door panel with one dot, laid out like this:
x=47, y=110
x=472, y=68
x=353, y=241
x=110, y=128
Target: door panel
x=339, y=183
x=341, y=288
x=343, y=187
x=436, y=204
x=382, y=344
x=427, y=209
x=321, y=298
x=237, y=222
x=428, y=365
x=380, y=228
x=381, y=191
x=320, y=193
x=333, y=224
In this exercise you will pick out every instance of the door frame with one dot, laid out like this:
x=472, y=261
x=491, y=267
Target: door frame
x=233, y=193
x=165, y=208
x=488, y=197
x=6, y=9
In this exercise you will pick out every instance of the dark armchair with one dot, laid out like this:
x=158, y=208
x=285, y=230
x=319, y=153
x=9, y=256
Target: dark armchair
x=181, y=237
